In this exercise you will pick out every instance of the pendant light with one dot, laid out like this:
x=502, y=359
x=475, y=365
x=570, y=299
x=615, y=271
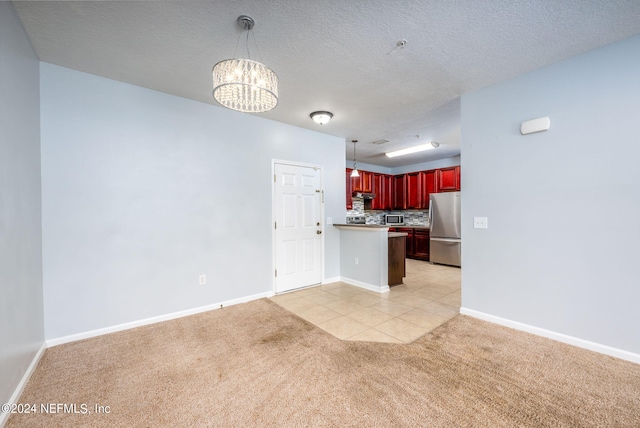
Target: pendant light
x=243, y=84
x=355, y=172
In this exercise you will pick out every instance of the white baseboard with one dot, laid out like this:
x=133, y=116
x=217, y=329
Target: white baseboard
x=580, y=343
x=365, y=285
x=153, y=320
x=331, y=280
x=15, y=398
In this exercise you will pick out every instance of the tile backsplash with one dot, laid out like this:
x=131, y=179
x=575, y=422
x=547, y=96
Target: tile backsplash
x=411, y=218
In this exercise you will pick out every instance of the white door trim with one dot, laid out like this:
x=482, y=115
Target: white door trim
x=273, y=215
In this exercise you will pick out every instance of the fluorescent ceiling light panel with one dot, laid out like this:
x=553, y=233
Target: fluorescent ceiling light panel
x=414, y=149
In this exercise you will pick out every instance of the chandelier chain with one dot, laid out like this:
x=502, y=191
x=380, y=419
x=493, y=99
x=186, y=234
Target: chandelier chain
x=244, y=84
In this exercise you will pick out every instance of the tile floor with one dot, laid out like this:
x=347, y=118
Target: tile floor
x=429, y=296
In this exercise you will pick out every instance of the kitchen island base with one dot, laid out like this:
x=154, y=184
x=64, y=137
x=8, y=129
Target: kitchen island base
x=365, y=258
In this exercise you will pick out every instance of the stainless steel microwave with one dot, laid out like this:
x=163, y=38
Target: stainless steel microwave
x=394, y=219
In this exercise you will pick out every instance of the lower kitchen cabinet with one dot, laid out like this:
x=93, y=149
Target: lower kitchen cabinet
x=421, y=244
x=409, y=240
x=417, y=242
x=397, y=256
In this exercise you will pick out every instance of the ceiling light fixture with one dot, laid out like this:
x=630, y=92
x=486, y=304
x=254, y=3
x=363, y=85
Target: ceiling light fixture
x=243, y=84
x=414, y=149
x=355, y=172
x=321, y=117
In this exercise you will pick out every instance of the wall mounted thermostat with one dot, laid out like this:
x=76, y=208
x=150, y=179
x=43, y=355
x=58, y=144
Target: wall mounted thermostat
x=535, y=125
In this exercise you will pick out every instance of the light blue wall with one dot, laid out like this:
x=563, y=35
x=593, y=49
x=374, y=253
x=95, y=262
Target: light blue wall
x=425, y=166
x=144, y=191
x=562, y=248
x=370, y=247
x=21, y=319
x=368, y=167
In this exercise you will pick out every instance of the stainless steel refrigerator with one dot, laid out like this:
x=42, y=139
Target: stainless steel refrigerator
x=444, y=221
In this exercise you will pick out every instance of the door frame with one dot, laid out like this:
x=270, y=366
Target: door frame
x=320, y=168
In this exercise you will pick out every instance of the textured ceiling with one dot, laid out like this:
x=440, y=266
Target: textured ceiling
x=336, y=55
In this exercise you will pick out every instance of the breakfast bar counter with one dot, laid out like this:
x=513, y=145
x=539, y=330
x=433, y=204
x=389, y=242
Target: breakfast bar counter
x=370, y=256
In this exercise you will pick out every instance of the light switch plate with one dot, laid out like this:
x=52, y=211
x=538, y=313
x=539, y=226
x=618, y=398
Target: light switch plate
x=480, y=223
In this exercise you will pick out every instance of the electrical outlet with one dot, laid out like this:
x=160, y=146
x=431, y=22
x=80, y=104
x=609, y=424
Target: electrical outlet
x=480, y=223
x=202, y=279
x=356, y=261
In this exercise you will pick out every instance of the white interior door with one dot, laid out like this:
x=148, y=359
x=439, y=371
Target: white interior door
x=298, y=226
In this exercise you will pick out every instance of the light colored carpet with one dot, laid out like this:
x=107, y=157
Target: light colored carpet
x=256, y=364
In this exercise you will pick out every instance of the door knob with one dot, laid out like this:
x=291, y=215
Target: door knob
x=318, y=232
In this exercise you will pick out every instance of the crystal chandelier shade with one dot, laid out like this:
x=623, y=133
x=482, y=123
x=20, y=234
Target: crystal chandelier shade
x=245, y=85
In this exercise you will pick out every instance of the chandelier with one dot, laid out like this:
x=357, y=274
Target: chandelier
x=243, y=84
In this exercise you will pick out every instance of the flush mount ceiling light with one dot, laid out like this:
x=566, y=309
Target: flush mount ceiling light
x=355, y=172
x=243, y=84
x=321, y=117
x=414, y=149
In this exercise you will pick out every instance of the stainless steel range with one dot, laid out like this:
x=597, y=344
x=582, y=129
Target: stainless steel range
x=356, y=219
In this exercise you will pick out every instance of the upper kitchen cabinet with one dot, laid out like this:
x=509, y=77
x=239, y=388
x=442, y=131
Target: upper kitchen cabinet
x=403, y=191
x=349, y=190
x=429, y=186
x=382, y=187
x=363, y=183
x=399, y=186
x=420, y=185
x=414, y=190
x=448, y=179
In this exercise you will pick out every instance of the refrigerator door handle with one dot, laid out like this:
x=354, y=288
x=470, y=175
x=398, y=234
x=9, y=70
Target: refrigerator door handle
x=430, y=212
x=445, y=239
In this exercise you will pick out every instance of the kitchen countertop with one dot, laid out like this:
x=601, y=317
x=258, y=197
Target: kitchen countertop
x=363, y=226
x=397, y=234
x=380, y=226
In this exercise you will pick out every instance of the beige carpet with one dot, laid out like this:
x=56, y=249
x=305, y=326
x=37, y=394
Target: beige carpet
x=256, y=364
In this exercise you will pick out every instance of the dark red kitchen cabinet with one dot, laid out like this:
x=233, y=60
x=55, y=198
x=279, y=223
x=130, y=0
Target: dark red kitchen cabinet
x=356, y=183
x=409, y=240
x=449, y=179
x=414, y=190
x=382, y=187
x=362, y=183
x=387, y=185
x=367, y=181
x=377, y=188
x=349, y=190
x=421, y=244
x=429, y=186
x=399, y=185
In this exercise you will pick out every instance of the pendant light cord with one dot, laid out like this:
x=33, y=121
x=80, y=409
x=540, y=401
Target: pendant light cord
x=354, y=156
x=246, y=44
x=255, y=41
x=248, y=54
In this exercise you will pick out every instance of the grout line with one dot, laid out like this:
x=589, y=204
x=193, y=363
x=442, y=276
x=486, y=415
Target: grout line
x=419, y=281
